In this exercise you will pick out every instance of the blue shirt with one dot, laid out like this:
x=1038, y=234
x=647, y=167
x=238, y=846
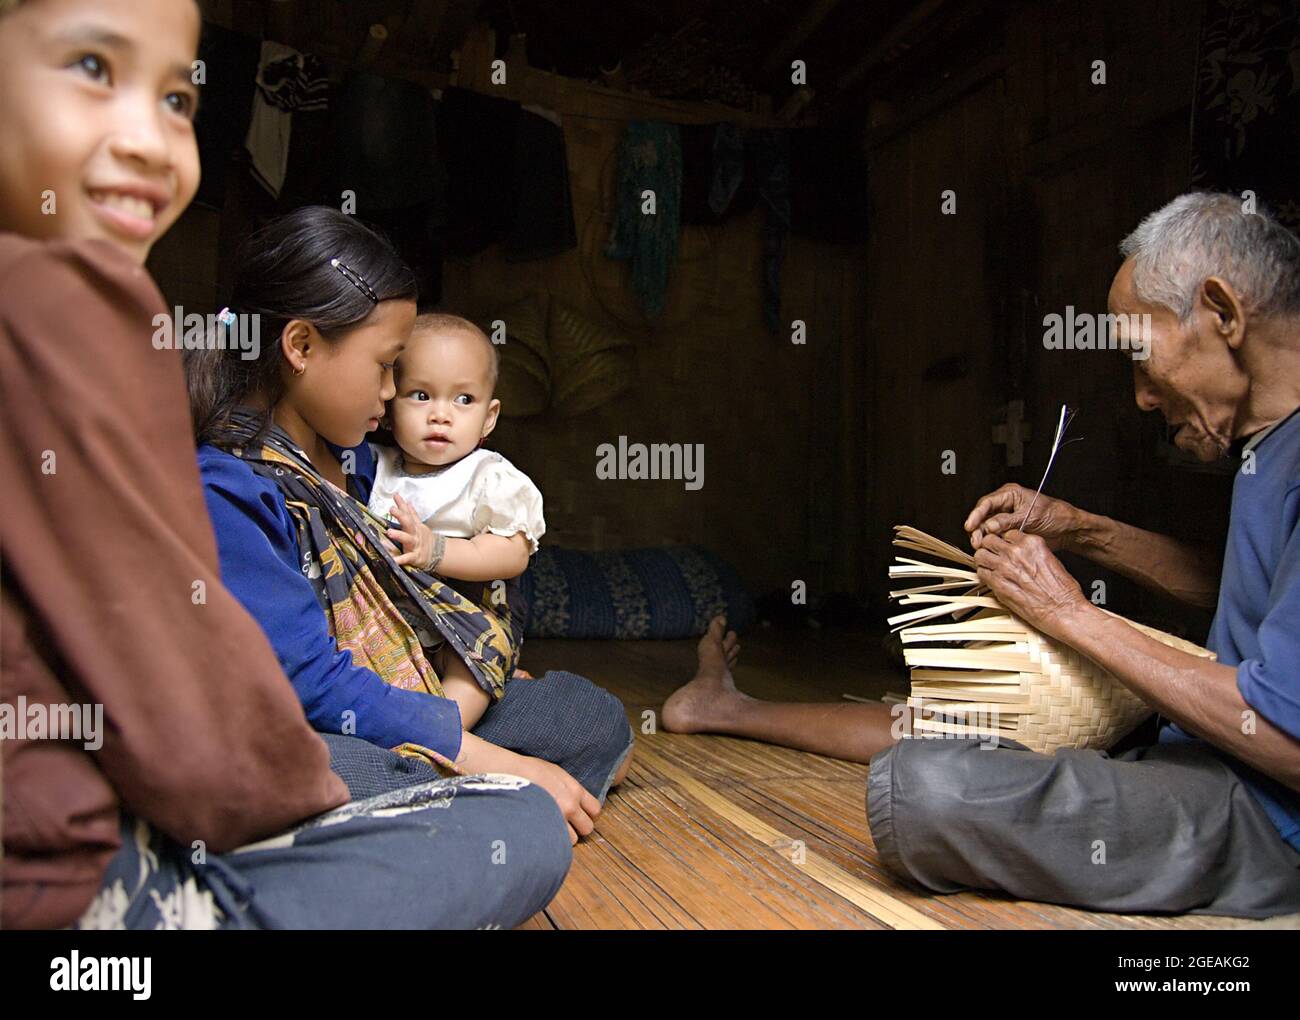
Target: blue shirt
x=260, y=564
x=1257, y=623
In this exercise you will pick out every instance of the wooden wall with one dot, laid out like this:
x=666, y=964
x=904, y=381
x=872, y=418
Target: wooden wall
x=779, y=422
x=1050, y=171
x=917, y=341
x=779, y=449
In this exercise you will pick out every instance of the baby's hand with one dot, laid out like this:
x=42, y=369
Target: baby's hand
x=417, y=538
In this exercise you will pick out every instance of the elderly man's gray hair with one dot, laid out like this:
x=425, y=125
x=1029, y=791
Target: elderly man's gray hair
x=1202, y=234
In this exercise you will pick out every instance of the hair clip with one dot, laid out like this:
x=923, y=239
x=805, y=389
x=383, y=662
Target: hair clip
x=226, y=317
x=356, y=280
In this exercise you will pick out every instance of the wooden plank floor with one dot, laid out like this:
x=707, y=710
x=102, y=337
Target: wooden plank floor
x=715, y=832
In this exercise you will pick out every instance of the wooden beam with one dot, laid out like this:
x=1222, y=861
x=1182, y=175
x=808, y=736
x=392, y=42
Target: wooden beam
x=789, y=47
x=953, y=89
x=421, y=29
x=799, y=100
x=378, y=39
x=895, y=37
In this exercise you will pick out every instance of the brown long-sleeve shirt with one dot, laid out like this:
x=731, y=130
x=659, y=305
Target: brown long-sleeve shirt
x=104, y=536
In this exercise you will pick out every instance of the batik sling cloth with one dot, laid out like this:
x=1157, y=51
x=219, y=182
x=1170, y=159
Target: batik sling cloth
x=390, y=618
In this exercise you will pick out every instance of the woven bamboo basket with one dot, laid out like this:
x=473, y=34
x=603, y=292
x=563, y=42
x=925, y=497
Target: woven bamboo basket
x=989, y=674
x=592, y=364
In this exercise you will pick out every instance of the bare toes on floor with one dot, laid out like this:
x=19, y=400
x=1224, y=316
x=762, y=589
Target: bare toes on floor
x=714, y=634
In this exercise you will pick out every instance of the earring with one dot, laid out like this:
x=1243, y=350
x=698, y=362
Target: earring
x=300, y=370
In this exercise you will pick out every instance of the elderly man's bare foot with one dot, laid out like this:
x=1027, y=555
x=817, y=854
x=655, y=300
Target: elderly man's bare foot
x=707, y=701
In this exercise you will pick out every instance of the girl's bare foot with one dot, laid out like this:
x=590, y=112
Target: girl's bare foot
x=707, y=700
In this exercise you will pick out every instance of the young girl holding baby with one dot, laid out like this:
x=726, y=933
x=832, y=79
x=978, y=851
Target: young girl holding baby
x=114, y=589
x=360, y=630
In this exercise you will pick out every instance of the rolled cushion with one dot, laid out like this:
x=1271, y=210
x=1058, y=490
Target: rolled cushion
x=669, y=592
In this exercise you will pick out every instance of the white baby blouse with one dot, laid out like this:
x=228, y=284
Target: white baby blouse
x=480, y=492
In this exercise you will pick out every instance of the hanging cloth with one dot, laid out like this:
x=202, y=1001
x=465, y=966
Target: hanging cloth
x=543, y=221
x=286, y=81
x=649, y=159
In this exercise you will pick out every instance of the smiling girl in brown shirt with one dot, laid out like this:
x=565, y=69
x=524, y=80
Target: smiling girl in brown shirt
x=112, y=594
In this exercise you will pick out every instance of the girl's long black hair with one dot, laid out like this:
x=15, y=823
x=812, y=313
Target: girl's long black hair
x=283, y=272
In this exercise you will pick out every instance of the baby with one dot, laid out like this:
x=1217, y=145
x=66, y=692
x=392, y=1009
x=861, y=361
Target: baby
x=464, y=512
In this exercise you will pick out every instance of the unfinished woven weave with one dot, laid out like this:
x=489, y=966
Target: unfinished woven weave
x=989, y=674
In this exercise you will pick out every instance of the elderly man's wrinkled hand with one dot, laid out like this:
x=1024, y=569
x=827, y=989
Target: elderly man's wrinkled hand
x=1029, y=580
x=1004, y=510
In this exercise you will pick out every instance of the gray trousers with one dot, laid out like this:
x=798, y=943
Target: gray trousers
x=1159, y=829
x=411, y=850
x=467, y=852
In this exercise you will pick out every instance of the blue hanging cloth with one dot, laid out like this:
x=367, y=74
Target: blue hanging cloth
x=649, y=158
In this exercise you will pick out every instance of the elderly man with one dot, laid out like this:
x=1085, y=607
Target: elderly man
x=1208, y=819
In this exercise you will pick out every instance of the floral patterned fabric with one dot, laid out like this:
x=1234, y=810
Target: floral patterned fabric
x=408, y=852
x=148, y=886
x=1246, y=116
x=636, y=593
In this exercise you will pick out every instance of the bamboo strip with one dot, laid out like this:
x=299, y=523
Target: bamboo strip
x=1011, y=700
x=929, y=587
x=906, y=565
x=914, y=538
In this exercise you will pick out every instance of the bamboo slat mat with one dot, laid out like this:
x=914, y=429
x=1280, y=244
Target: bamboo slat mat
x=711, y=832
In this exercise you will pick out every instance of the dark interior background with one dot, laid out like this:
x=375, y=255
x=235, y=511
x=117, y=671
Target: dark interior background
x=922, y=330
